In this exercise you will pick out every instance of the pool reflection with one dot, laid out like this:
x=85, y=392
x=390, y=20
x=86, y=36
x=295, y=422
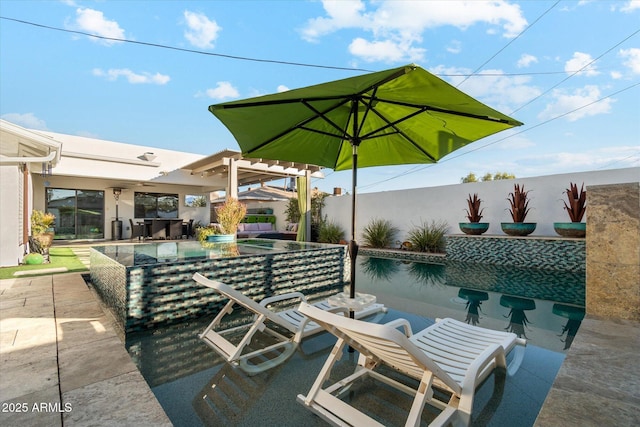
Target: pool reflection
x=479, y=294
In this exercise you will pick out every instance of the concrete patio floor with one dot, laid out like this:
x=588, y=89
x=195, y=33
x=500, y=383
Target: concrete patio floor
x=64, y=364
x=62, y=361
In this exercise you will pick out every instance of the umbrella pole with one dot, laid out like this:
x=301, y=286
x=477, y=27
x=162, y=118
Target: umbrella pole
x=353, y=244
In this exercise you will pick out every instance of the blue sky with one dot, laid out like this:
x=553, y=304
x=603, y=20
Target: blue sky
x=570, y=70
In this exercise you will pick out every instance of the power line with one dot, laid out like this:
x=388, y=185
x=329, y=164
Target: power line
x=620, y=160
x=508, y=44
x=273, y=61
x=575, y=72
x=199, y=52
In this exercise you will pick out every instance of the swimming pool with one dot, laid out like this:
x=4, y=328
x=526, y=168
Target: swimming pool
x=196, y=387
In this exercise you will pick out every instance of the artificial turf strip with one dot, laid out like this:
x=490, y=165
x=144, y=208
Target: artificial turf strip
x=63, y=260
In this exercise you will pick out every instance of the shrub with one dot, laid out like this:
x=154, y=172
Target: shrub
x=41, y=221
x=428, y=237
x=330, y=232
x=379, y=233
x=230, y=214
x=203, y=232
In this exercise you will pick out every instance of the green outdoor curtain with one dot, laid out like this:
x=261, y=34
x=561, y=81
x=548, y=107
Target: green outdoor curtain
x=301, y=186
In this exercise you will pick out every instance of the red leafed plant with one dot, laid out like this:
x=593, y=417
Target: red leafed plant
x=474, y=213
x=577, y=202
x=519, y=203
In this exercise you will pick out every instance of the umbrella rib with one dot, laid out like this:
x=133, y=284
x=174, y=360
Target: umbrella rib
x=302, y=124
x=399, y=131
x=423, y=107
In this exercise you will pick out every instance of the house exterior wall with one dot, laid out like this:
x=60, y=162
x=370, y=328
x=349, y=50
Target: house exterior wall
x=125, y=203
x=11, y=250
x=408, y=208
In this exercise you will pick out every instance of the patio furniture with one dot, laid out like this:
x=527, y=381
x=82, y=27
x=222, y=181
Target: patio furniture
x=158, y=229
x=273, y=323
x=137, y=230
x=451, y=356
x=175, y=228
x=187, y=229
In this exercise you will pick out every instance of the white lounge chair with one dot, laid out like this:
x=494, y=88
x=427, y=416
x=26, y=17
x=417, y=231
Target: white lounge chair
x=289, y=322
x=449, y=355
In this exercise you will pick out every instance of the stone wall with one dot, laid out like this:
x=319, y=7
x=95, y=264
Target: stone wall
x=530, y=252
x=613, y=251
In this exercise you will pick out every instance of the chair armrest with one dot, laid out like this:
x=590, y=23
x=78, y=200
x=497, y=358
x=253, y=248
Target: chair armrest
x=283, y=297
x=476, y=372
x=336, y=310
x=401, y=322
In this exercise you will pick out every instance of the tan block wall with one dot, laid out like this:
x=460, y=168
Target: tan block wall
x=613, y=251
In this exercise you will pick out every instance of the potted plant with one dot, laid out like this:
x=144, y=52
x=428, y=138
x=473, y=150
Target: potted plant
x=576, y=208
x=519, y=208
x=474, y=214
x=41, y=233
x=230, y=214
x=203, y=232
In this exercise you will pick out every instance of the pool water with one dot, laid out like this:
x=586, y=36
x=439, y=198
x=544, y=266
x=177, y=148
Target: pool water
x=180, y=251
x=543, y=306
x=197, y=388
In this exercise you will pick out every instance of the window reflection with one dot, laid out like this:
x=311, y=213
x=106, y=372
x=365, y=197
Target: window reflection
x=155, y=205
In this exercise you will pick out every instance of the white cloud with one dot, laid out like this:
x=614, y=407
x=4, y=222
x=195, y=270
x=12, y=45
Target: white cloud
x=133, y=78
x=385, y=50
x=630, y=6
x=282, y=88
x=578, y=61
x=560, y=162
x=455, y=46
x=517, y=142
x=93, y=21
x=526, y=60
x=223, y=90
x=632, y=59
x=577, y=105
x=340, y=15
x=396, y=26
x=503, y=93
x=26, y=120
x=202, y=31
x=616, y=75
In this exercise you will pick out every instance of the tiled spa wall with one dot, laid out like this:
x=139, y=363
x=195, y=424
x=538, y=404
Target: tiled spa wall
x=142, y=296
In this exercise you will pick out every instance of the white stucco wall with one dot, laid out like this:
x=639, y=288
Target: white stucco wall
x=11, y=249
x=409, y=208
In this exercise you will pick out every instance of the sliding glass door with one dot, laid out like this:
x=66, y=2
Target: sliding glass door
x=79, y=213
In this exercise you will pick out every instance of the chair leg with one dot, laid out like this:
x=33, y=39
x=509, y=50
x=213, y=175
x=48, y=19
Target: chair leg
x=423, y=393
x=336, y=354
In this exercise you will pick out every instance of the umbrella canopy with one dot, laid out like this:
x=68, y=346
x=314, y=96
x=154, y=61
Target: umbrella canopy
x=400, y=116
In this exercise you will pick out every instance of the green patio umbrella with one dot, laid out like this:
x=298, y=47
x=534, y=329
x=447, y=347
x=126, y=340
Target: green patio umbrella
x=400, y=116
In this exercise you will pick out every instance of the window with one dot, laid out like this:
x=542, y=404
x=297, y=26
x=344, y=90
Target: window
x=79, y=213
x=155, y=205
x=193, y=201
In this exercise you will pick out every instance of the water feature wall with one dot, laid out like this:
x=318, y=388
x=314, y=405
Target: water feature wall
x=613, y=251
x=145, y=295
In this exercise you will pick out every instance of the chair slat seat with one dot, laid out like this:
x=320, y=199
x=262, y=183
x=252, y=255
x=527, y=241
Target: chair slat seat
x=450, y=355
x=295, y=324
